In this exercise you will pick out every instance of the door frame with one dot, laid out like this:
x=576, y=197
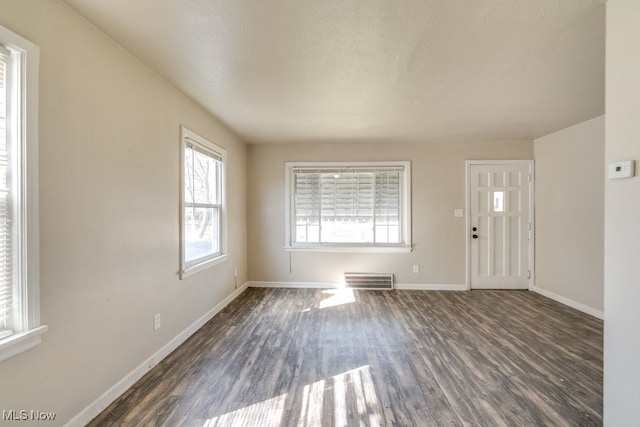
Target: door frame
x=530, y=164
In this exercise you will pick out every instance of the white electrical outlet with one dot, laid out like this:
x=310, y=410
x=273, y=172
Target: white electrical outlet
x=458, y=213
x=416, y=268
x=156, y=322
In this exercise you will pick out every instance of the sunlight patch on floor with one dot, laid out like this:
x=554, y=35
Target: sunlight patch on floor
x=354, y=401
x=355, y=386
x=337, y=297
x=266, y=413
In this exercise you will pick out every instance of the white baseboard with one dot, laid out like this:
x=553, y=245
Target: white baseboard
x=569, y=302
x=94, y=409
x=324, y=285
x=430, y=287
x=301, y=285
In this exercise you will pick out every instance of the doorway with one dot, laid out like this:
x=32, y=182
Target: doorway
x=500, y=224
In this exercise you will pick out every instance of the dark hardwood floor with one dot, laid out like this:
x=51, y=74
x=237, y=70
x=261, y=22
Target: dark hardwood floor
x=285, y=357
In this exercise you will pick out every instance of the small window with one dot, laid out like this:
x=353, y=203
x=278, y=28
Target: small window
x=20, y=327
x=203, y=226
x=349, y=207
x=498, y=201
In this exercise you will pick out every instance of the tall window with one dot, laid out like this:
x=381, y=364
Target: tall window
x=203, y=225
x=337, y=206
x=19, y=261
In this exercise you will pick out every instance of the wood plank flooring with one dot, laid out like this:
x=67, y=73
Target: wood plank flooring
x=297, y=357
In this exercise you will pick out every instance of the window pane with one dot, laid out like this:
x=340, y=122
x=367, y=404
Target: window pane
x=188, y=175
x=347, y=230
x=204, y=171
x=202, y=232
x=388, y=233
x=307, y=199
x=388, y=207
x=6, y=247
x=349, y=205
x=498, y=201
x=308, y=233
x=307, y=229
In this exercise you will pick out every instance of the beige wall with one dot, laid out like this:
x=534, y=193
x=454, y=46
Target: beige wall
x=570, y=213
x=622, y=218
x=109, y=182
x=438, y=187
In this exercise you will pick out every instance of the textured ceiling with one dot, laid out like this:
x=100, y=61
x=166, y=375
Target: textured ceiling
x=339, y=70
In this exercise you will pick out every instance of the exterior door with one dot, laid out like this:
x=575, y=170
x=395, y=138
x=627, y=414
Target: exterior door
x=500, y=224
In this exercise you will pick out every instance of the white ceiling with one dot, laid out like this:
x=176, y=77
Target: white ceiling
x=342, y=70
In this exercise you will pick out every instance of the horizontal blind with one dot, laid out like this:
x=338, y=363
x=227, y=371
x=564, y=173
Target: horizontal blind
x=197, y=147
x=347, y=169
x=388, y=193
x=203, y=172
x=363, y=195
x=6, y=274
x=347, y=195
x=307, y=196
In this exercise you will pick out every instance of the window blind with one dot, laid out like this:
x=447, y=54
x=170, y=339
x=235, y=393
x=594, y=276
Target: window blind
x=6, y=274
x=196, y=147
x=347, y=205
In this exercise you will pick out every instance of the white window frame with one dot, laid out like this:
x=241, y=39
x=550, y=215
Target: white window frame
x=405, y=244
x=22, y=126
x=187, y=136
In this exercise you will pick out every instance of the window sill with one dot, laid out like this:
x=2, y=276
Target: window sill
x=18, y=343
x=193, y=269
x=358, y=249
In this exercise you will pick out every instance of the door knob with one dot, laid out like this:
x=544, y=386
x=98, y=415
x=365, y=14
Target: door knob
x=475, y=236
x=474, y=229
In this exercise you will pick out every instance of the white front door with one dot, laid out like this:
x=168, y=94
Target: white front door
x=500, y=224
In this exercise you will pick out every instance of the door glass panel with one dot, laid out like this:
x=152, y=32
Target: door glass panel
x=498, y=201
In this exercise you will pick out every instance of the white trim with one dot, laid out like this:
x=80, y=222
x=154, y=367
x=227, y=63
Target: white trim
x=361, y=249
x=29, y=329
x=406, y=245
x=569, y=302
x=429, y=287
x=531, y=167
x=17, y=343
x=197, y=268
x=467, y=233
x=296, y=285
x=327, y=285
x=108, y=397
x=197, y=140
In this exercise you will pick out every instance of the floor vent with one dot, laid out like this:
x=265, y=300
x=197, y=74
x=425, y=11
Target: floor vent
x=368, y=281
